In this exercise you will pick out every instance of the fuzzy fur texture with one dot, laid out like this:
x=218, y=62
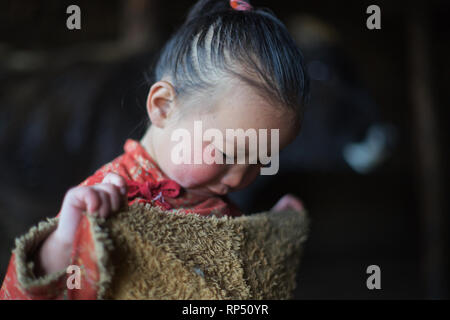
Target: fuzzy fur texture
x=26, y=246
x=169, y=255
x=146, y=253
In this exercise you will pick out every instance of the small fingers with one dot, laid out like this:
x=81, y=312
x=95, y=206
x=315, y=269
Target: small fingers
x=92, y=200
x=116, y=180
x=105, y=207
x=113, y=194
x=83, y=198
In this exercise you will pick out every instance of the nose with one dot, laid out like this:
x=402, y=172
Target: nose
x=233, y=178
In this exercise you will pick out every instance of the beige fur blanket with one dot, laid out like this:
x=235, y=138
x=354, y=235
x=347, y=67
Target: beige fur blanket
x=143, y=252
x=167, y=255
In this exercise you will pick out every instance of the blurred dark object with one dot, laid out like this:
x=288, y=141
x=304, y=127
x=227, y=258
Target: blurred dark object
x=342, y=127
x=434, y=219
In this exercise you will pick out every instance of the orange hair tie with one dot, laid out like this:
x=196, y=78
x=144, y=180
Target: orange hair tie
x=240, y=5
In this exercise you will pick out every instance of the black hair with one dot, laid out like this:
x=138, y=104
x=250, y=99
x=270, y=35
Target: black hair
x=217, y=40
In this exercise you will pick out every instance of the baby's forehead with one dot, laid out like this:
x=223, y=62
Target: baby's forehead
x=239, y=106
x=250, y=114
x=255, y=127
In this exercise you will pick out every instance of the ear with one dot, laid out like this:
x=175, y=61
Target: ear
x=160, y=102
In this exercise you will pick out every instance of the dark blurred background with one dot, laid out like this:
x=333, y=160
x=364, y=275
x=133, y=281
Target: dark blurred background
x=370, y=163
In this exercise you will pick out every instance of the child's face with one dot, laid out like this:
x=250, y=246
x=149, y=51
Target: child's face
x=235, y=107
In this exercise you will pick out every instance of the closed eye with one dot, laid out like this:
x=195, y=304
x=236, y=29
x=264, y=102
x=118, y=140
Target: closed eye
x=225, y=156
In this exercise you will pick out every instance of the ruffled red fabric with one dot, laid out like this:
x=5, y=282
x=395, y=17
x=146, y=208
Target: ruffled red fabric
x=154, y=192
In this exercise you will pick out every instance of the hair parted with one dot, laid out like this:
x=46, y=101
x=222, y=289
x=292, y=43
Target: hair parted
x=217, y=41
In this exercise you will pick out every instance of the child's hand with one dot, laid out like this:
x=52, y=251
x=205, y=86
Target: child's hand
x=288, y=202
x=103, y=198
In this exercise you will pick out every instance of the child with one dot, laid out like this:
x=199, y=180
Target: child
x=230, y=66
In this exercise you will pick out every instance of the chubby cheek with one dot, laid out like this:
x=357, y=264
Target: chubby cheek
x=194, y=175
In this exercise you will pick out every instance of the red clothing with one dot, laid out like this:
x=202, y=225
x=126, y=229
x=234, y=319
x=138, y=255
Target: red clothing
x=147, y=184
